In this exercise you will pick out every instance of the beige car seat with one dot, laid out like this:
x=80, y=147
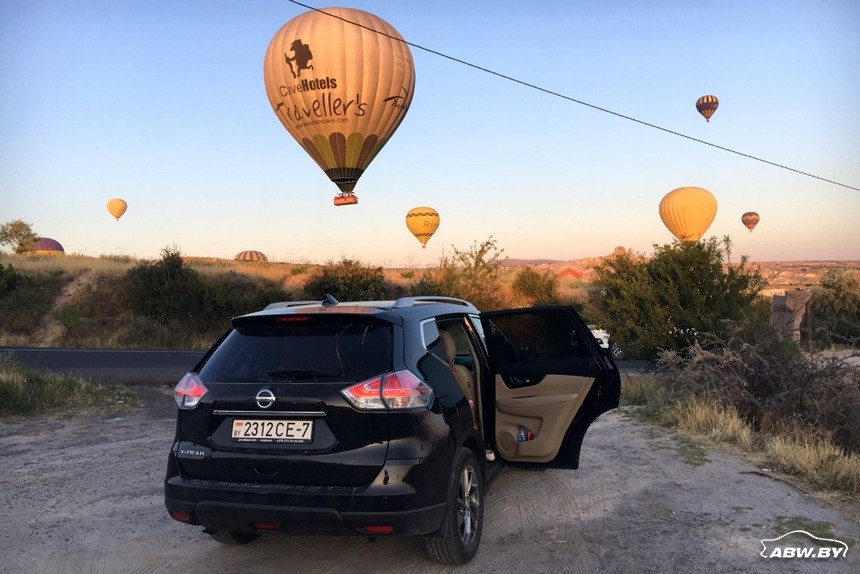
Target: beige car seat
x=461, y=373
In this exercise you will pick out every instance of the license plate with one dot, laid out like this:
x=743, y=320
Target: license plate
x=279, y=431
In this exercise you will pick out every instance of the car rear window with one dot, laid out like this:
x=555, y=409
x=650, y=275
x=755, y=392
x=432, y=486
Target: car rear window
x=302, y=348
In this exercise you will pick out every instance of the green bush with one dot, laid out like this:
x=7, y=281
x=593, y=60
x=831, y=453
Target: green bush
x=230, y=294
x=538, y=288
x=174, y=306
x=349, y=280
x=667, y=301
x=166, y=290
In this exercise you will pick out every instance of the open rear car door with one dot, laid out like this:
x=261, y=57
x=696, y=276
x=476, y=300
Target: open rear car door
x=550, y=380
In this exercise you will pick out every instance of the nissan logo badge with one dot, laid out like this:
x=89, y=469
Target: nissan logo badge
x=265, y=398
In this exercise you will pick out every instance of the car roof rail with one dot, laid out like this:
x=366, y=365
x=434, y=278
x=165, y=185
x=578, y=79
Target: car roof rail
x=410, y=301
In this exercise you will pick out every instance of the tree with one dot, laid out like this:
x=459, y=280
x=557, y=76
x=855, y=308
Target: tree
x=836, y=308
x=472, y=275
x=684, y=290
x=18, y=234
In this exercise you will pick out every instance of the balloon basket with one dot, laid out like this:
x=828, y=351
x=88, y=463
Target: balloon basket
x=345, y=199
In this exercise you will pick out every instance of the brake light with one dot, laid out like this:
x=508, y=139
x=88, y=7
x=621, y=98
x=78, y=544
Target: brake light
x=394, y=391
x=292, y=319
x=189, y=391
x=385, y=529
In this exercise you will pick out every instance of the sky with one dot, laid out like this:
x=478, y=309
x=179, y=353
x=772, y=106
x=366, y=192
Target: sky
x=162, y=103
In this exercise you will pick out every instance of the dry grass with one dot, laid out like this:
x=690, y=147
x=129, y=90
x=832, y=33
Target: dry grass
x=815, y=461
x=640, y=390
x=718, y=423
x=71, y=264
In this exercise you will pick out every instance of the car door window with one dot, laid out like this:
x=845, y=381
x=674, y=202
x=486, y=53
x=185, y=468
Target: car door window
x=546, y=337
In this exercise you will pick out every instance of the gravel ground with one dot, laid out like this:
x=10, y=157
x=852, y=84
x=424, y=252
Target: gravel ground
x=85, y=495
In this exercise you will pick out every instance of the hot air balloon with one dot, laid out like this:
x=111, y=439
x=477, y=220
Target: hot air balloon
x=46, y=246
x=117, y=207
x=750, y=219
x=251, y=255
x=340, y=84
x=707, y=105
x=423, y=223
x=688, y=212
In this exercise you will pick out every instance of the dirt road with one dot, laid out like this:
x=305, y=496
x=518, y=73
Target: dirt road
x=85, y=495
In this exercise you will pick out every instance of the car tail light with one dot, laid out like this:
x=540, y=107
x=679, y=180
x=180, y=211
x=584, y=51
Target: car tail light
x=189, y=391
x=395, y=391
x=384, y=529
x=181, y=516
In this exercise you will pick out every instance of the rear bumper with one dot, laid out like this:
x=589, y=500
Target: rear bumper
x=404, y=498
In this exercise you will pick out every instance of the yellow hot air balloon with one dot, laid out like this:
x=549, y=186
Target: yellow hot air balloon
x=707, y=105
x=340, y=82
x=117, y=207
x=688, y=212
x=750, y=219
x=423, y=223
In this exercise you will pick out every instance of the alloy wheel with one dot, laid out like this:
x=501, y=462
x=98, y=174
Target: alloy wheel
x=468, y=501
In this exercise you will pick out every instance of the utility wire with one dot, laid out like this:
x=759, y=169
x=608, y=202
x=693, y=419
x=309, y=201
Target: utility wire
x=574, y=100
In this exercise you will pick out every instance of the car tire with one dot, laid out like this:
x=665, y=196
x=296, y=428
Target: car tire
x=615, y=350
x=233, y=538
x=458, y=539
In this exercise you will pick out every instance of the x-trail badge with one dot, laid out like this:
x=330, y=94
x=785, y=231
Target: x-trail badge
x=265, y=398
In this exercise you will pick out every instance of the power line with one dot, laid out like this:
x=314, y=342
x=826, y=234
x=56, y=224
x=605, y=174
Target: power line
x=576, y=101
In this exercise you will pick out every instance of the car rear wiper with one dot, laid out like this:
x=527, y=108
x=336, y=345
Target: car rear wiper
x=301, y=373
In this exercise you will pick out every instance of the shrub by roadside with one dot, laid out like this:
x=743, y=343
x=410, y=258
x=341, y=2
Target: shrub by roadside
x=763, y=394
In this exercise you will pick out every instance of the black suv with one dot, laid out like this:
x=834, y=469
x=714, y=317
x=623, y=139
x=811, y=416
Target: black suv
x=379, y=418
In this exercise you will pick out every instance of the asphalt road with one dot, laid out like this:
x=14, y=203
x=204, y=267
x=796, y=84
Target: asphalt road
x=110, y=366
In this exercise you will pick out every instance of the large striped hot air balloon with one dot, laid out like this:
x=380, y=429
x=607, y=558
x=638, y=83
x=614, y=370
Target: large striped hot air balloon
x=688, y=212
x=423, y=223
x=707, y=105
x=46, y=246
x=340, y=81
x=251, y=256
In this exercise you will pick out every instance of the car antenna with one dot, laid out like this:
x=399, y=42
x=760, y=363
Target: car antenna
x=329, y=300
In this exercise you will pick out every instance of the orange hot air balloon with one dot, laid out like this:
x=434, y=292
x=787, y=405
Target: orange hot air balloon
x=750, y=219
x=117, y=207
x=688, y=212
x=707, y=105
x=423, y=223
x=340, y=82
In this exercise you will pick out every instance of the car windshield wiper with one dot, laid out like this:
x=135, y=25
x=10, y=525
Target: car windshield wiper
x=301, y=373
